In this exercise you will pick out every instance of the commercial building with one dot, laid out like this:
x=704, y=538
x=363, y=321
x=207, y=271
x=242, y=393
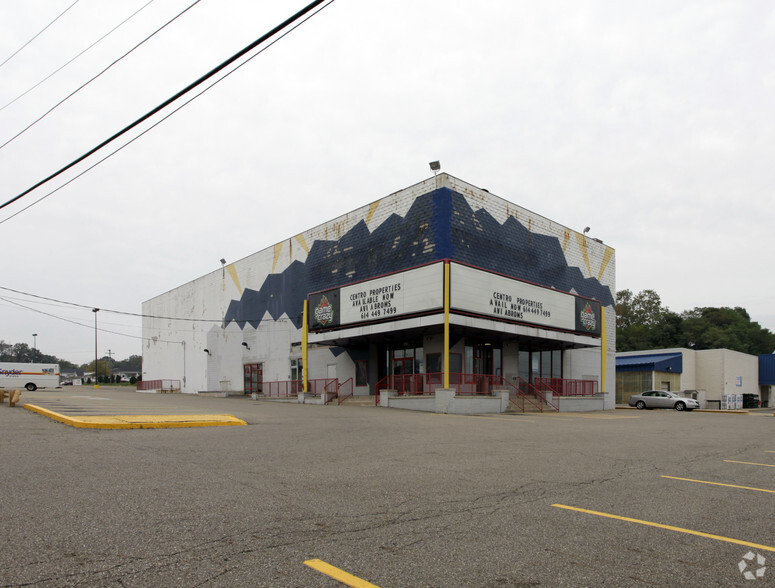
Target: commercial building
x=439, y=285
x=716, y=377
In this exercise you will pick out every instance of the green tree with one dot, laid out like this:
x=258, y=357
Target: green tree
x=642, y=323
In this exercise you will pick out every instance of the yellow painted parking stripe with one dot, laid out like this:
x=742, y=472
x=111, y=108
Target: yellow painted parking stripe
x=720, y=484
x=337, y=574
x=670, y=528
x=766, y=465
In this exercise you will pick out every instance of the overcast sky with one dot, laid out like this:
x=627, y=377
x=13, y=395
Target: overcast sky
x=653, y=123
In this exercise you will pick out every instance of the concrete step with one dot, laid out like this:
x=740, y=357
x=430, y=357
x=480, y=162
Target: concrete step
x=359, y=401
x=532, y=404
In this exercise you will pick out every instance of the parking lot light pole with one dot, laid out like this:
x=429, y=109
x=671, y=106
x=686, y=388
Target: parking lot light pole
x=95, y=311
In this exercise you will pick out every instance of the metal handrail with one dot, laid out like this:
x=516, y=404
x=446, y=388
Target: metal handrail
x=466, y=384
x=341, y=398
x=567, y=387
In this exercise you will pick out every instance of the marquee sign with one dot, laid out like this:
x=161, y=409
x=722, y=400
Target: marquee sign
x=473, y=291
x=411, y=292
x=479, y=292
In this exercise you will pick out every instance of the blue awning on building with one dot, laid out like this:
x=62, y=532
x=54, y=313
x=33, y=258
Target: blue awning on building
x=654, y=362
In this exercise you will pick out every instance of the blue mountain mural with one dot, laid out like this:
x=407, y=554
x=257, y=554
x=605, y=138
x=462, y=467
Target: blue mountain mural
x=438, y=225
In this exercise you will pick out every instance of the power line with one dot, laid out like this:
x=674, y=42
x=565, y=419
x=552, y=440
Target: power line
x=82, y=86
x=172, y=99
x=91, y=327
x=139, y=315
x=157, y=123
x=64, y=65
x=38, y=34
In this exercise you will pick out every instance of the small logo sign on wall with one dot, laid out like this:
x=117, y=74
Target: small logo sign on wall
x=324, y=311
x=587, y=316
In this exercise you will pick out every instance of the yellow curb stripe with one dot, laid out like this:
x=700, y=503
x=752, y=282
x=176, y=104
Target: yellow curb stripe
x=669, y=528
x=139, y=421
x=720, y=484
x=766, y=465
x=337, y=574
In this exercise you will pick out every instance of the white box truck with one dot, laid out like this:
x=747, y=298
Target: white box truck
x=29, y=375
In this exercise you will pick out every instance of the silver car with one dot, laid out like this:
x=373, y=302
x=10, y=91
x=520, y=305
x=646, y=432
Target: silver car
x=663, y=399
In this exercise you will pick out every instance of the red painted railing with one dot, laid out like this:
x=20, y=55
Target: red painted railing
x=289, y=388
x=561, y=387
x=526, y=390
x=344, y=391
x=466, y=384
x=283, y=389
x=164, y=385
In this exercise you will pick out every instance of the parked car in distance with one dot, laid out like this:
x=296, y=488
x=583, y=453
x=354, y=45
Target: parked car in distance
x=663, y=399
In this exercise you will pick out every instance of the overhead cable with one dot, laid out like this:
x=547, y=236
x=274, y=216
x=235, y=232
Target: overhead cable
x=140, y=315
x=81, y=324
x=172, y=99
x=157, y=123
x=64, y=65
x=82, y=86
x=38, y=34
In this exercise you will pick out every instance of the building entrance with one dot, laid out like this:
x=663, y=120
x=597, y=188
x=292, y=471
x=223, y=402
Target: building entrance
x=253, y=378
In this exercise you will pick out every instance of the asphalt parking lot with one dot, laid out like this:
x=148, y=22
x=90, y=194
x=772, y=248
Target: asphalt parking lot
x=394, y=498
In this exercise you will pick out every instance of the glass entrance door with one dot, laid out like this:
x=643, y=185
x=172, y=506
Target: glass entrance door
x=254, y=378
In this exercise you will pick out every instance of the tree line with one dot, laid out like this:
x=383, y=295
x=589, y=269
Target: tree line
x=23, y=353
x=643, y=322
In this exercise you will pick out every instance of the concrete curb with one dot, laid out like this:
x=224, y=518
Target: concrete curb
x=696, y=410
x=139, y=421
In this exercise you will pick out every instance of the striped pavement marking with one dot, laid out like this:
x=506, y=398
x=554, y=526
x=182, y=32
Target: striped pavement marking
x=669, y=528
x=337, y=574
x=720, y=484
x=766, y=465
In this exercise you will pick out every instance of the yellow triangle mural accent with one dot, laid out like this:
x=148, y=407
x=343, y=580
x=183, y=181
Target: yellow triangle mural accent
x=609, y=253
x=303, y=243
x=278, y=249
x=235, y=278
x=583, y=246
x=372, y=209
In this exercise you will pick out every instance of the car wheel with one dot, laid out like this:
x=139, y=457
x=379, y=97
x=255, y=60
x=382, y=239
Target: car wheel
x=31, y=387
x=640, y=405
x=680, y=406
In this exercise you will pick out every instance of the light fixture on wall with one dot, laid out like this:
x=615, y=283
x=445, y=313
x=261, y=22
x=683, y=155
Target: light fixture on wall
x=435, y=166
x=245, y=345
x=207, y=351
x=586, y=230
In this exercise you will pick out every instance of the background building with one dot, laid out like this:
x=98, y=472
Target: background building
x=713, y=373
x=529, y=299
